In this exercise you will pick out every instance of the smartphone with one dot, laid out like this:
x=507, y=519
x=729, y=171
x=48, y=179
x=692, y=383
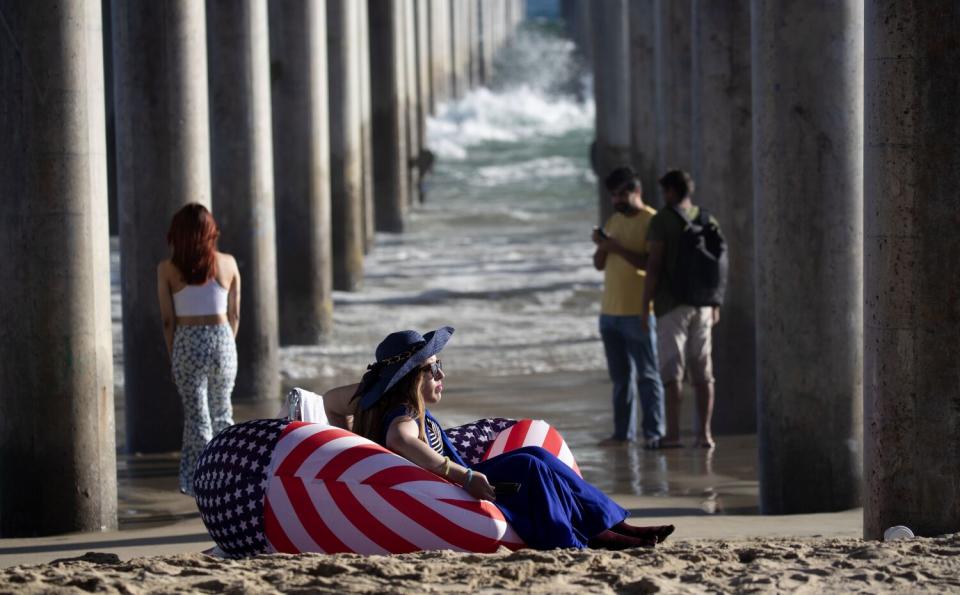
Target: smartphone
x=602, y=233
x=505, y=488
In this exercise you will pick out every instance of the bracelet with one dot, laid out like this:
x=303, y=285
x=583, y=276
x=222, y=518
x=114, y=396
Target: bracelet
x=469, y=477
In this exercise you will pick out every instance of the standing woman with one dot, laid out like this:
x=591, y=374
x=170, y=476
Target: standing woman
x=199, y=292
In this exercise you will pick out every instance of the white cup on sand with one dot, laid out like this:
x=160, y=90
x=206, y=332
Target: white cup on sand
x=897, y=532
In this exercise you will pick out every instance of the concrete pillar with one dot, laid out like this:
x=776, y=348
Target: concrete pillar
x=366, y=124
x=455, y=47
x=422, y=11
x=301, y=157
x=912, y=172
x=57, y=450
x=388, y=89
x=476, y=67
x=412, y=95
x=672, y=93
x=807, y=65
x=346, y=144
x=723, y=170
x=439, y=54
x=486, y=41
x=163, y=162
x=498, y=26
x=643, y=115
x=241, y=162
x=611, y=87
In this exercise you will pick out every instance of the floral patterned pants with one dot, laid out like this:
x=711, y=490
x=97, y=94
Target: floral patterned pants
x=204, y=369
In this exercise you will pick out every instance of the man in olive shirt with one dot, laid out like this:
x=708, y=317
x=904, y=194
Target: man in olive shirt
x=684, y=332
x=628, y=342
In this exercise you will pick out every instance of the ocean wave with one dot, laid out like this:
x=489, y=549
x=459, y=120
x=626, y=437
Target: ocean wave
x=485, y=116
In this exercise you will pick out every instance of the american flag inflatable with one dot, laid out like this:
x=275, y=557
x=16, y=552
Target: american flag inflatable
x=532, y=432
x=328, y=490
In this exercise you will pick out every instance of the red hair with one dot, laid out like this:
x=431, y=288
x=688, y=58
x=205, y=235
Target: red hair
x=193, y=236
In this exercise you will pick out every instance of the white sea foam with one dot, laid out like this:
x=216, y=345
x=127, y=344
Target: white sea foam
x=536, y=93
x=515, y=115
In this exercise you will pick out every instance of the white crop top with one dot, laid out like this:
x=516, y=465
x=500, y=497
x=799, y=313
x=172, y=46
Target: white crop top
x=201, y=300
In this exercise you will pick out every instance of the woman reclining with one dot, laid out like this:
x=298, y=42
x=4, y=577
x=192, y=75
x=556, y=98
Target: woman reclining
x=553, y=507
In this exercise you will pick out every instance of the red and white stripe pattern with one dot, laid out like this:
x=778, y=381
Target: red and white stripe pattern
x=331, y=491
x=533, y=432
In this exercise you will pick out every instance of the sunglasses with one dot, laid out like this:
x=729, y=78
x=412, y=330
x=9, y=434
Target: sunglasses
x=436, y=368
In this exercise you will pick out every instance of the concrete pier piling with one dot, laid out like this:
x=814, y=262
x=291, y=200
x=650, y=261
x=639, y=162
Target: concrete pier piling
x=722, y=166
x=808, y=171
x=388, y=91
x=366, y=124
x=412, y=99
x=486, y=41
x=424, y=99
x=301, y=149
x=612, y=93
x=476, y=67
x=57, y=448
x=460, y=74
x=163, y=162
x=643, y=113
x=672, y=36
x=238, y=46
x=439, y=52
x=346, y=144
x=912, y=317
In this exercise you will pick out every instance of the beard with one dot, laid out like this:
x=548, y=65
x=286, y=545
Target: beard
x=625, y=208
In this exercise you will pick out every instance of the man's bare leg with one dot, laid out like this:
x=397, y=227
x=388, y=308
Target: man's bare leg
x=704, y=413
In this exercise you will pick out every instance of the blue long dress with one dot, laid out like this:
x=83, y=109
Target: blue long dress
x=555, y=507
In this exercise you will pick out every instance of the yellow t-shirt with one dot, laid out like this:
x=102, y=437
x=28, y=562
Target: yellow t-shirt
x=622, y=282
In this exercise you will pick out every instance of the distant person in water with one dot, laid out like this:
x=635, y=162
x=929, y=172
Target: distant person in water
x=199, y=292
x=553, y=507
x=686, y=278
x=628, y=341
x=424, y=163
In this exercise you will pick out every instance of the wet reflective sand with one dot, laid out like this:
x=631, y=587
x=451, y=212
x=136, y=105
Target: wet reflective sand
x=690, y=481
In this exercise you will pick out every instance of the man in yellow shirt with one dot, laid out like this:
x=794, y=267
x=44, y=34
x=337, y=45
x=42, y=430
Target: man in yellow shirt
x=630, y=346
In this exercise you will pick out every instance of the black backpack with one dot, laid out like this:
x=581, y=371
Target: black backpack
x=700, y=278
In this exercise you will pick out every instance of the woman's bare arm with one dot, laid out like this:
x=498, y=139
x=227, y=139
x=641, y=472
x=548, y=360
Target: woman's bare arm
x=233, y=298
x=403, y=438
x=338, y=405
x=167, y=315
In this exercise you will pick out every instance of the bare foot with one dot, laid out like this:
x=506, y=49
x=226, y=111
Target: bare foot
x=609, y=540
x=705, y=442
x=660, y=532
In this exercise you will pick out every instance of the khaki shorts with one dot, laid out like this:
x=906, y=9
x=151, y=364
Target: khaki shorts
x=684, y=339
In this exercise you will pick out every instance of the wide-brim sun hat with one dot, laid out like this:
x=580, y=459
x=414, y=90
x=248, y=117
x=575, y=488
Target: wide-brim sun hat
x=398, y=355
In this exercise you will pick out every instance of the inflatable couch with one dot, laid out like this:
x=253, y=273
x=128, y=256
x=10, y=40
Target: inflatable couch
x=280, y=485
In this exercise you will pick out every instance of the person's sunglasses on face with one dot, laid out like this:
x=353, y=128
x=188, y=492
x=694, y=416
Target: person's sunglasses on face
x=435, y=369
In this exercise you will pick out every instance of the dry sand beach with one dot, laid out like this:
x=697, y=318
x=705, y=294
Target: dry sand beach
x=796, y=565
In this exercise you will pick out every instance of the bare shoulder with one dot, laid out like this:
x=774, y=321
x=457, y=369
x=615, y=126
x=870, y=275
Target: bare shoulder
x=164, y=268
x=227, y=261
x=340, y=400
x=227, y=269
